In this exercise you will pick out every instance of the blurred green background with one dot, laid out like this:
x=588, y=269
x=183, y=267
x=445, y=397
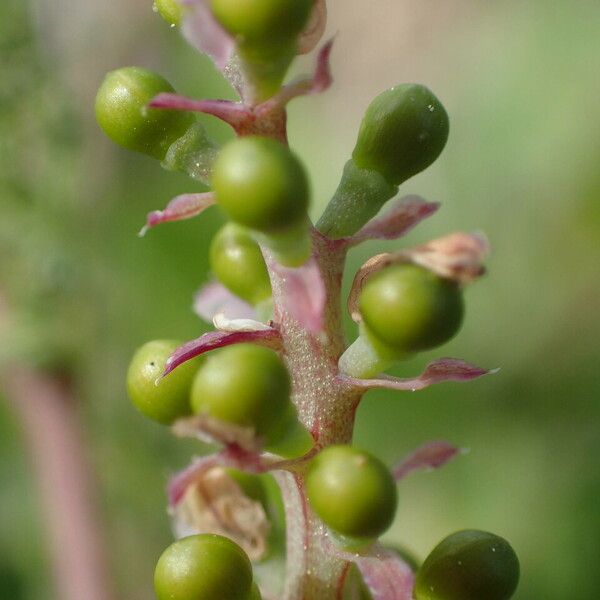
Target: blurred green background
x=521, y=82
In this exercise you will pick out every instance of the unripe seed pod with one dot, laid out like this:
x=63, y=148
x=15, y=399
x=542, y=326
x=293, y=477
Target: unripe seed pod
x=263, y=22
x=469, y=565
x=407, y=308
x=245, y=385
x=162, y=399
x=403, y=131
x=353, y=492
x=203, y=567
x=122, y=112
x=238, y=263
x=170, y=10
x=259, y=183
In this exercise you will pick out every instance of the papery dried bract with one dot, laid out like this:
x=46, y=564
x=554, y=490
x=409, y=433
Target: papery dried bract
x=180, y=208
x=431, y=455
x=215, y=299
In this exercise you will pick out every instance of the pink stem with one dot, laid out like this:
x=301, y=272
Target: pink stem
x=52, y=430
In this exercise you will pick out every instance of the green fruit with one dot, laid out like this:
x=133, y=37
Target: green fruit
x=122, y=113
x=245, y=385
x=469, y=565
x=238, y=263
x=403, y=131
x=255, y=593
x=161, y=399
x=353, y=492
x=263, y=22
x=407, y=308
x=170, y=10
x=203, y=567
x=259, y=183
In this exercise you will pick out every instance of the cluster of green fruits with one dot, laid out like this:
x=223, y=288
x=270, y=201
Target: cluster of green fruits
x=467, y=565
x=263, y=189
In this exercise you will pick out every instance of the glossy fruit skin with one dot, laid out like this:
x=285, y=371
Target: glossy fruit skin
x=403, y=131
x=353, y=492
x=160, y=399
x=122, y=113
x=170, y=10
x=262, y=22
x=237, y=262
x=260, y=184
x=469, y=565
x=203, y=567
x=245, y=385
x=408, y=308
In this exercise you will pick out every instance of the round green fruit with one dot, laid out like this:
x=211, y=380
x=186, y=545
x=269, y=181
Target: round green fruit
x=469, y=565
x=263, y=22
x=353, y=492
x=170, y=10
x=203, y=567
x=407, y=308
x=260, y=184
x=255, y=593
x=245, y=385
x=122, y=112
x=403, y=131
x=163, y=399
x=238, y=263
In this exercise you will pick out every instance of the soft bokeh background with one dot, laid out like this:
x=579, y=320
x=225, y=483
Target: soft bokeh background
x=521, y=83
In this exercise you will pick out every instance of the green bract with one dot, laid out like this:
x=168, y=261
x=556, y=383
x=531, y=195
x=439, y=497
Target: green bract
x=245, y=385
x=161, y=399
x=469, y=565
x=170, y=10
x=237, y=262
x=403, y=131
x=407, y=308
x=122, y=113
x=203, y=567
x=263, y=22
x=353, y=492
x=260, y=184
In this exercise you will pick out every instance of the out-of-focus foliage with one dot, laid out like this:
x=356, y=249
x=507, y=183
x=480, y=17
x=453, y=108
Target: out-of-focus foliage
x=520, y=83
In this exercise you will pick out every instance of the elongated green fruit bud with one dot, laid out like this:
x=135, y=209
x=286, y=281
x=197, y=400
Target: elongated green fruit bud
x=469, y=565
x=170, y=10
x=237, y=262
x=262, y=185
x=403, y=131
x=266, y=33
x=204, y=567
x=122, y=112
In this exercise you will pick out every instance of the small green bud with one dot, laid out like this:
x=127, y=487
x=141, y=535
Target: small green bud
x=259, y=183
x=122, y=112
x=203, y=567
x=403, y=131
x=245, y=385
x=263, y=22
x=170, y=10
x=353, y=492
x=407, y=308
x=160, y=399
x=237, y=262
x=469, y=565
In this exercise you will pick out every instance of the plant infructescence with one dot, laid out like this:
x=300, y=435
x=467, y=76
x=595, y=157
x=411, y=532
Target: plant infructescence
x=288, y=509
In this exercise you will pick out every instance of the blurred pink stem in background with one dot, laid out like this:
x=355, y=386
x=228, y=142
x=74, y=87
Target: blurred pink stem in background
x=47, y=409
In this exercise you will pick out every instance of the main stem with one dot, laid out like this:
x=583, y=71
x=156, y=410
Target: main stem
x=327, y=409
